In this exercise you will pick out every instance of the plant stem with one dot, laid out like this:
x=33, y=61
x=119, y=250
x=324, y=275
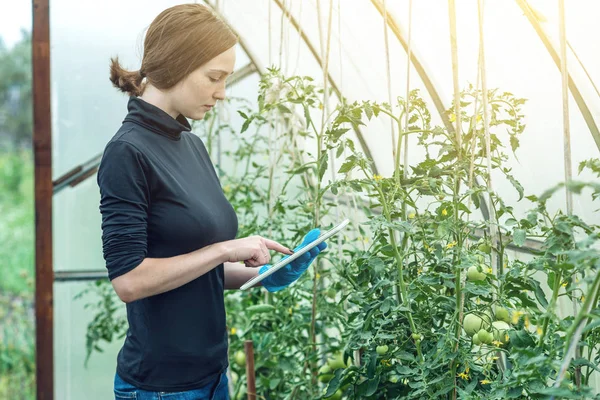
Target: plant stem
x=574, y=333
x=402, y=295
x=589, y=371
x=317, y=204
x=551, y=306
x=458, y=272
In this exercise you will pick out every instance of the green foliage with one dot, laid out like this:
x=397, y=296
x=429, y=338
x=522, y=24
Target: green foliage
x=398, y=282
x=17, y=221
x=16, y=118
x=407, y=290
x=110, y=320
x=17, y=347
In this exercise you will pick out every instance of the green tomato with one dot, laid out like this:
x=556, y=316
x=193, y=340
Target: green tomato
x=502, y=314
x=476, y=340
x=336, y=396
x=567, y=375
x=337, y=362
x=485, y=336
x=240, y=358
x=331, y=293
x=234, y=377
x=485, y=248
x=381, y=350
x=473, y=323
x=324, y=369
x=473, y=274
x=500, y=330
x=325, y=374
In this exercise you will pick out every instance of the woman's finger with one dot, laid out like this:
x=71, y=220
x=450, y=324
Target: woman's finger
x=273, y=245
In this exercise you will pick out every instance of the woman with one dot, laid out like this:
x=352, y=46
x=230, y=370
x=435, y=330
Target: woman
x=167, y=229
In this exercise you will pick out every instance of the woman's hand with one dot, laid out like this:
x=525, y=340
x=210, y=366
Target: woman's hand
x=291, y=272
x=252, y=250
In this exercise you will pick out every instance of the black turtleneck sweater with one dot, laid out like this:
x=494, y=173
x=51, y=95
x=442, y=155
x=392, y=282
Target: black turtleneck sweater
x=161, y=197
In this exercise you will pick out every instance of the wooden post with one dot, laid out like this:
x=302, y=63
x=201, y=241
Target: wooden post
x=251, y=379
x=42, y=144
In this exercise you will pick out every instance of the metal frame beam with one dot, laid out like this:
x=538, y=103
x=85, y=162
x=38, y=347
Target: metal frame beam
x=581, y=104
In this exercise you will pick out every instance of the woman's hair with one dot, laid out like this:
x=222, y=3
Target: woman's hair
x=179, y=40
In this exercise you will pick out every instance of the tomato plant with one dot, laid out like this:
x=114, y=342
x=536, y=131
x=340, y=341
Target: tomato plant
x=420, y=300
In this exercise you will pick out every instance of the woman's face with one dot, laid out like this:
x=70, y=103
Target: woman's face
x=199, y=91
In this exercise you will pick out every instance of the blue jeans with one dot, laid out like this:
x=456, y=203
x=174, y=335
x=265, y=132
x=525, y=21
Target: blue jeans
x=214, y=390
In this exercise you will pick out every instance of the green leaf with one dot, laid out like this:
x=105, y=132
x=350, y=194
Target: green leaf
x=243, y=114
x=559, y=393
x=514, y=143
x=510, y=222
x=372, y=385
x=307, y=115
x=532, y=218
x=548, y=193
x=246, y=124
x=274, y=382
x=539, y=294
x=515, y=392
x=340, y=150
x=323, y=166
x=591, y=326
x=533, y=198
x=372, y=366
x=335, y=134
x=283, y=109
x=521, y=339
x=564, y=227
x=519, y=237
x=475, y=199
x=347, y=166
x=376, y=264
x=583, y=361
x=478, y=289
x=551, y=278
x=334, y=384
x=368, y=111
x=517, y=186
x=385, y=306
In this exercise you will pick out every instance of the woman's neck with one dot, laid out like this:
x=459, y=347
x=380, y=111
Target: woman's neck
x=159, y=99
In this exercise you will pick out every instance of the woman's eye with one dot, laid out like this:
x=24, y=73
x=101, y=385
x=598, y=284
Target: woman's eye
x=213, y=79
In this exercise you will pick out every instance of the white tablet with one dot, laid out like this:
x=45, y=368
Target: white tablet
x=282, y=263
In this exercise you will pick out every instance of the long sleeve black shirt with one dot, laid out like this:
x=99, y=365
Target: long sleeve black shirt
x=161, y=197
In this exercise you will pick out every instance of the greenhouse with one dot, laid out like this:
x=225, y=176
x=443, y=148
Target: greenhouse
x=457, y=142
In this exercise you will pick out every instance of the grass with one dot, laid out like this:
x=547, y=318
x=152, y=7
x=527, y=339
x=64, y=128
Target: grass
x=16, y=222
x=17, y=332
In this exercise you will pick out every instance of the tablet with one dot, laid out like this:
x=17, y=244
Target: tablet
x=282, y=263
